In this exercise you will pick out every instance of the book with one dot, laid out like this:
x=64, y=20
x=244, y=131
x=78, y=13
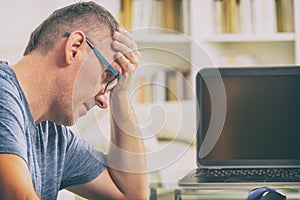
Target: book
x=159, y=86
x=245, y=17
x=137, y=14
x=284, y=15
x=141, y=91
x=258, y=10
x=264, y=16
x=171, y=91
x=180, y=85
x=231, y=16
x=287, y=13
x=269, y=17
x=219, y=16
x=165, y=14
x=149, y=15
x=125, y=13
x=185, y=10
x=168, y=14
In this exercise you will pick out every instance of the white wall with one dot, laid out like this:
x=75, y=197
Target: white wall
x=18, y=18
x=112, y=5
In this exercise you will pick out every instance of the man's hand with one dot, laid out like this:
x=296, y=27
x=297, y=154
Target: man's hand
x=128, y=55
x=127, y=58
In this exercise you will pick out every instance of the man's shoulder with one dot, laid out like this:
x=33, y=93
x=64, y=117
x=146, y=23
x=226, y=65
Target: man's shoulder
x=10, y=90
x=5, y=70
x=7, y=76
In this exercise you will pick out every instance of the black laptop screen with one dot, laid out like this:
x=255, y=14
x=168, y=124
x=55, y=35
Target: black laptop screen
x=262, y=118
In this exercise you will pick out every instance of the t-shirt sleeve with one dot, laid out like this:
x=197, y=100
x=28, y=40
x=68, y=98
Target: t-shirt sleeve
x=12, y=120
x=83, y=162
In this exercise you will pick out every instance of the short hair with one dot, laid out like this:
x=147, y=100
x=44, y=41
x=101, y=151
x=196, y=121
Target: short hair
x=88, y=17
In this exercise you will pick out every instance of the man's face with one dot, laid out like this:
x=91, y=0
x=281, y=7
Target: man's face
x=92, y=78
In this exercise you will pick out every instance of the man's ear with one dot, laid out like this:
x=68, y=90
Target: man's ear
x=74, y=45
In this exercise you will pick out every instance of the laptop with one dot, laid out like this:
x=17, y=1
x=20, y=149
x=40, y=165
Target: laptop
x=248, y=127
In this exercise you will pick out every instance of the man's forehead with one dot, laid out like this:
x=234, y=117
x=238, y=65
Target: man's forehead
x=104, y=46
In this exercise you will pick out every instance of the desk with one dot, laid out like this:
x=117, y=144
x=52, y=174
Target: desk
x=172, y=191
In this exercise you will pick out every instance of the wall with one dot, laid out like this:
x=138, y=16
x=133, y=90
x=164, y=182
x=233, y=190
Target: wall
x=17, y=20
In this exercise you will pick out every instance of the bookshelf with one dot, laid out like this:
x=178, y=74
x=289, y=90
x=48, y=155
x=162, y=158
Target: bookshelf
x=161, y=30
x=165, y=14
x=165, y=70
x=278, y=37
x=235, y=39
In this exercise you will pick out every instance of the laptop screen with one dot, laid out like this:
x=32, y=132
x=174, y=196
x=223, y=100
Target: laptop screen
x=262, y=121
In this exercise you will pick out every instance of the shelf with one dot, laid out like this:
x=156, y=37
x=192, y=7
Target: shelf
x=277, y=37
x=169, y=104
x=161, y=38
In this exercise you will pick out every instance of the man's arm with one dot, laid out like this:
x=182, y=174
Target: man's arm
x=15, y=180
x=126, y=160
x=125, y=175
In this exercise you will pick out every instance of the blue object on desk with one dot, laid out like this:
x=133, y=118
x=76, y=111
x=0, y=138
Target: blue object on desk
x=265, y=193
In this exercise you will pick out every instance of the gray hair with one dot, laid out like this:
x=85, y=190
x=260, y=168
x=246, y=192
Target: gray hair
x=88, y=17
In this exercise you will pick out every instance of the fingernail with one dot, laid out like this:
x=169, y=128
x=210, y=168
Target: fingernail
x=115, y=34
x=121, y=28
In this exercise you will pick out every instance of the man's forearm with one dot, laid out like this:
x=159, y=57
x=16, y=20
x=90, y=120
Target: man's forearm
x=126, y=158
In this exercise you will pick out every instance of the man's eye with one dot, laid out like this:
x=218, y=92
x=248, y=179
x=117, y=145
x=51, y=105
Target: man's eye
x=108, y=76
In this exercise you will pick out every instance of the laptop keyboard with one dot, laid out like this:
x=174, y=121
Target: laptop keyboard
x=252, y=174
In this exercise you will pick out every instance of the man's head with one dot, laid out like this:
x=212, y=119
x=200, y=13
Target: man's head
x=78, y=72
x=88, y=17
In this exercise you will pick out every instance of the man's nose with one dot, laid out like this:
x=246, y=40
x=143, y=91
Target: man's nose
x=102, y=100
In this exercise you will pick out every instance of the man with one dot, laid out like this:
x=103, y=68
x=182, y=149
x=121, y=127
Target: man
x=77, y=58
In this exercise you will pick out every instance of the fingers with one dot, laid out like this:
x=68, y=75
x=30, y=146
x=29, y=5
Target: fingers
x=125, y=32
x=126, y=38
x=124, y=44
x=121, y=64
x=132, y=55
x=124, y=62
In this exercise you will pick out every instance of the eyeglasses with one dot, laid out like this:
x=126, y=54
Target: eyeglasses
x=112, y=80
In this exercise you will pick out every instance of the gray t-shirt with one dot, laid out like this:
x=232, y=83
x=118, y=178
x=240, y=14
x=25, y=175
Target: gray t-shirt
x=56, y=158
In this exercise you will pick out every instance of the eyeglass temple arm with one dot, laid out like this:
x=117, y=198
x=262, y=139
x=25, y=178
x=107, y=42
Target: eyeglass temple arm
x=99, y=55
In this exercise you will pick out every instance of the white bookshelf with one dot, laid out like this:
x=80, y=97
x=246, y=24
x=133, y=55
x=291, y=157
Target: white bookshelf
x=163, y=54
x=161, y=38
x=163, y=50
x=279, y=37
x=260, y=48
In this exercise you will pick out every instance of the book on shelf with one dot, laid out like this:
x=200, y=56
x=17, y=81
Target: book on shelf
x=226, y=16
x=231, y=16
x=125, y=13
x=171, y=86
x=253, y=16
x=159, y=84
x=185, y=17
x=284, y=15
x=165, y=85
x=219, y=18
x=142, y=90
x=245, y=16
x=166, y=14
x=264, y=16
